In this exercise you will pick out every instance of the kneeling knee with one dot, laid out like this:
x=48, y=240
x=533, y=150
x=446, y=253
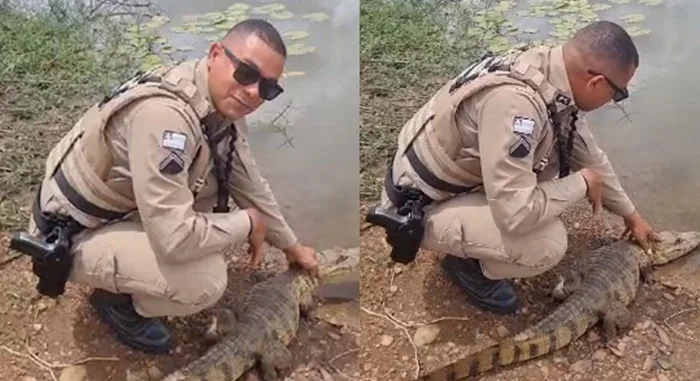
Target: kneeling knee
x=544, y=249
x=200, y=291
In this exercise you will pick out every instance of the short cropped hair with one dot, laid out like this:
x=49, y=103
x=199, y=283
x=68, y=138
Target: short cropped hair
x=264, y=30
x=608, y=41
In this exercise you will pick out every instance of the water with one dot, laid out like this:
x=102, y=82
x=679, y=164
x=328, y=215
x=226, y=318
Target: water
x=655, y=154
x=317, y=180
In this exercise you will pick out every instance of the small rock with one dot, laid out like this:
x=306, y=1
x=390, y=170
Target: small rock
x=37, y=327
x=41, y=306
x=426, y=334
x=28, y=378
x=593, y=337
x=73, y=373
x=668, y=296
x=646, y=324
x=662, y=377
x=334, y=336
x=648, y=364
x=405, y=358
x=664, y=364
x=154, y=373
x=502, y=331
x=393, y=288
x=178, y=349
x=599, y=355
x=618, y=350
x=577, y=225
x=397, y=270
x=581, y=366
x=663, y=336
x=386, y=340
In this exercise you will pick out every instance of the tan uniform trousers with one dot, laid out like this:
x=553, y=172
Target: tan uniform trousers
x=463, y=226
x=118, y=258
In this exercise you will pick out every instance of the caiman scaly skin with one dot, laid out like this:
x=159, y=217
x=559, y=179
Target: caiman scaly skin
x=265, y=324
x=601, y=293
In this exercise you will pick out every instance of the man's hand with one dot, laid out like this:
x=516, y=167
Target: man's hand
x=595, y=189
x=304, y=256
x=637, y=227
x=256, y=239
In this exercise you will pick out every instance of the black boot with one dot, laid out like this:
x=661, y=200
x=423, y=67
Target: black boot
x=491, y=295
x=144, y=334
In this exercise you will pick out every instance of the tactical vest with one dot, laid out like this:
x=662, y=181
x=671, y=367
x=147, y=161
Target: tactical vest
x=80, y=161
x=431, y=142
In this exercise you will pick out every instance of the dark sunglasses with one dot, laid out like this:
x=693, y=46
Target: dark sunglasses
x=620, y=94
x=248, y=75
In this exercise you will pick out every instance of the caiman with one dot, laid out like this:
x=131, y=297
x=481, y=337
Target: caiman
x=265, y=323
x=599, y=293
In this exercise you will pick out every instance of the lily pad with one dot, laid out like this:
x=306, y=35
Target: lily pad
x=636, y=31
x=298, y=49
x=318, y=17
x=651, y=3
x=178, y=29
x=633, y=18
x=530, y=30
x=270, y=8
x=282, y=15
x=291, y=74
x=296, y=35
x=184, y=48
x=619, y=1
x=151, y=61
x=601, y=7
x=238, y=7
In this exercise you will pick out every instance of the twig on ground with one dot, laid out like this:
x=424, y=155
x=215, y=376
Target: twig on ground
x=414, y=325
x=408, y=335
x=330, y=363
x=675, y=330
x=9, y=260
x=56, y=365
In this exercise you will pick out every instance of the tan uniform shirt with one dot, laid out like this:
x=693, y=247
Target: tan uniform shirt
x=177, y=232
x=519, y=200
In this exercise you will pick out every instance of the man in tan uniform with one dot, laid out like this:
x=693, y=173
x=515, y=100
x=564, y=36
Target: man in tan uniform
x=491, y=154
x=136, y=179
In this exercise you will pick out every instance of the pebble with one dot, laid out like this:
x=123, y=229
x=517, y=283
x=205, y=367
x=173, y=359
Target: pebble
x=648, y=364
x=28, y=378
x=426, y=334
x=386, y=340
x=593, y=337
x=599, y=355
x=662, y=377
x=581, y=366
x=37, y=327
x=502, y=331
x=334, y=336
x=663, y=336
x=154, y=373
x=668, y=296
x=393, y=288
x=73, y=373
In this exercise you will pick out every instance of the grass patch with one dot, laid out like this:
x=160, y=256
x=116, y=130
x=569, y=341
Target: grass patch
x=54, y=62
x=408, y=49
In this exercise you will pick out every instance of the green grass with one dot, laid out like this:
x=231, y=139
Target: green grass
x=50, y=71
x=409, y=48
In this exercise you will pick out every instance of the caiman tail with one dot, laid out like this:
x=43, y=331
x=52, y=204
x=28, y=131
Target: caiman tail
x=510, y=351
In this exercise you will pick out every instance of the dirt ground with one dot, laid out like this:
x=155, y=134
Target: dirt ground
x=661, y=346
x=68, y=331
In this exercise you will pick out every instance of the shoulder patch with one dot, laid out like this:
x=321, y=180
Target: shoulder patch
x=523, y=125
x=172, y=164
x=174, y=140
x=520, y=148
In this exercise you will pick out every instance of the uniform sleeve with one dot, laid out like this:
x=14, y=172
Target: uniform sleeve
x=518, y=203
x=587, y=154
x=161, y=147
x=249, y=189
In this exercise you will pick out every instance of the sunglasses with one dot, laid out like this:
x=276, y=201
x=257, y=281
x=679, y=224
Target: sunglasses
x=620, y=94
x=247, y=75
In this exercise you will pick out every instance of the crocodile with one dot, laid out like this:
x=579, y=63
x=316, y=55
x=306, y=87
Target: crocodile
x=265, y=323
x=598, y=293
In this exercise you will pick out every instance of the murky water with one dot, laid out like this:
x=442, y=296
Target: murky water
x=656, y=151
x=315, y=178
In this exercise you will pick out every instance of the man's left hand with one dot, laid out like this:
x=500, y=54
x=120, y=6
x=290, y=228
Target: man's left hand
x=637, y=227
x=304, y=256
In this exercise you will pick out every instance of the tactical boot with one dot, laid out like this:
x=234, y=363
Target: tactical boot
x=144, y=334
x=491, y=295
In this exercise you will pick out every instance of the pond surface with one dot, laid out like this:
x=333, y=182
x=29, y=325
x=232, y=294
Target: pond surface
x=315, y=177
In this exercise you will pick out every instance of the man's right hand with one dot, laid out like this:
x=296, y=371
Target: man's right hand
x=256, y=237
x=595, y=188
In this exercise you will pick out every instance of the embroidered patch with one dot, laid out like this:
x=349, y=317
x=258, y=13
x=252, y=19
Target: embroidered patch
x=174, y=140
x=524, y=126
x=520, y=148
x=172, y=165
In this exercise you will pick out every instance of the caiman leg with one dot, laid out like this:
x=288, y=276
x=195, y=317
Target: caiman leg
x=308, y=308
x=616, y=319
x=223, y=323
x=568, y=283
x=276, y=362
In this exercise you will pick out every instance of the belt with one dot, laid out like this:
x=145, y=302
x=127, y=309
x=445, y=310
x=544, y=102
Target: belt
x=46, y=222
x=399, y=194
